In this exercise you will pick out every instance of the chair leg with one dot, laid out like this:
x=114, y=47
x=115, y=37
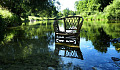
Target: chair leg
x=77, y=39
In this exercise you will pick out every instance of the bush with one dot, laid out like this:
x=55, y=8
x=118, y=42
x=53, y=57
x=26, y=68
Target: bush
x=113, y=10
x=8, y=19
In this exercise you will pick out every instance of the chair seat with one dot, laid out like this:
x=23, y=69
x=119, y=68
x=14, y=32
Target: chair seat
x=66, y=33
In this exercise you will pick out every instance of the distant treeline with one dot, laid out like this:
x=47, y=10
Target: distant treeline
x=95, y=10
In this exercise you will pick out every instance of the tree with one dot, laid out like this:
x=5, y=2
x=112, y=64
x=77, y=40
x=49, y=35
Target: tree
x=103, y=3
x=60, y=14
x=66, y=12
x=23, y=8
x=113, y=10
x=91, y=5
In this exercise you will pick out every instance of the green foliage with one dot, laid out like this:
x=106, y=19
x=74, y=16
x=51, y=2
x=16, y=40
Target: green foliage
x=99, y=16
x=23, y=8
x=86, y=5
x=67, y=12
x=81, y=6
x=60, y=14
x=113, y=10
x=93, y=9
x=8, y=19
x=103, y=4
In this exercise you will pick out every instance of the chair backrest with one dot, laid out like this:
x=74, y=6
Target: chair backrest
x=70, y=23
x=73, y=23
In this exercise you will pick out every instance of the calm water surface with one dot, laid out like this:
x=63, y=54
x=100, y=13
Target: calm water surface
x=32, y=47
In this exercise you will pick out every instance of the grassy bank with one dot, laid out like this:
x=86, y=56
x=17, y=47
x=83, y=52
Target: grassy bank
x=100, y=16
x=94, y=16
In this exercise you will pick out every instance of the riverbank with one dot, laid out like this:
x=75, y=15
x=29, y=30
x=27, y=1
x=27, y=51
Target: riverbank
x=100, y=16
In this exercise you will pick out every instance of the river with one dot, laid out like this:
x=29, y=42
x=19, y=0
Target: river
x=32, y=47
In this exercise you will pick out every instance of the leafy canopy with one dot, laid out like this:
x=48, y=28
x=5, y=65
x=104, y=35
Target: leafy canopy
x=26, y=7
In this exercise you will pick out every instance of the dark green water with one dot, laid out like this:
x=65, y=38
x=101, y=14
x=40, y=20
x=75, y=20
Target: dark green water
x=32, y=47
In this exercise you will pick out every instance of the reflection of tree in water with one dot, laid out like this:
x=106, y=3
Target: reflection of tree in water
x=108, y=30
x=28, y=49
x=117, y=46
x=114, y=31
x=101, y=41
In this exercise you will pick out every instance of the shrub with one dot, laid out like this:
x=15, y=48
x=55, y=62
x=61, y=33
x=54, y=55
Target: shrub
x=113, y=10
x=8, y=19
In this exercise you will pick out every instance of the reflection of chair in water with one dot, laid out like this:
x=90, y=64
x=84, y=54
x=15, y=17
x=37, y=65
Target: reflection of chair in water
x=70, y=38
x=66, y=50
